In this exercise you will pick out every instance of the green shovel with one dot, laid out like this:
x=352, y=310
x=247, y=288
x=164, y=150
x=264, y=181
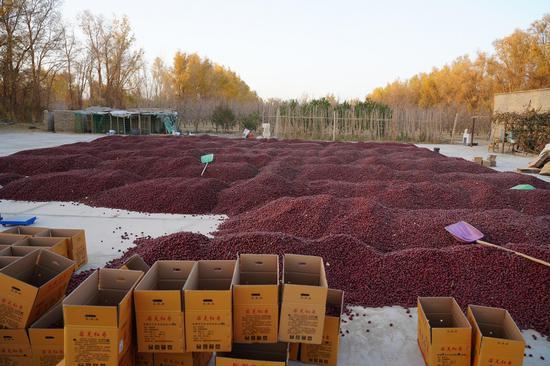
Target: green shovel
x=206, y=159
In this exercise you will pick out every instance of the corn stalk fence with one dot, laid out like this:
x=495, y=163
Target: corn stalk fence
x=402, y=124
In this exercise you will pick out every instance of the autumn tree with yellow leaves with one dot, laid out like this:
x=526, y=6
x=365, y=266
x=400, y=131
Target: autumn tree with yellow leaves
x=520, y=61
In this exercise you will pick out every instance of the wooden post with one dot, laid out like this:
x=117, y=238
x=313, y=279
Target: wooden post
x=334, y=126
x=277, y=121
x=139, y=123
x=473, y=129
x=454, y=127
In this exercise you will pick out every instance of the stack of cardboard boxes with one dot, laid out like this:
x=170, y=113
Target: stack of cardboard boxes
x=30, y=286
x=70, y=243
x=184, y=311
x=35, y=270
x=485, y=337
x=187, y=310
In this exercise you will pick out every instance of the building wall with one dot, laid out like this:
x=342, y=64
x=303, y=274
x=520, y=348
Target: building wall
x=519, y=101
x=64, y=121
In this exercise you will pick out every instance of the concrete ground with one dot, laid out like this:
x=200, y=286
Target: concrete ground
x=13, y=141
x=505, y=162
x=110, y=231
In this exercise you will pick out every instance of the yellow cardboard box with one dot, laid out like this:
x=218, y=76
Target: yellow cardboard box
x=496, y=339
x=31, y=285
x=256, y=299
x=158, y=302
x=46, y=336
x=207, y=293
x=182, y=359
x=275, y=354
x=135, y=263
x=76, y=243
x=15, y=348
x=327, y=352
x=25, y=230
x=56, y=245
x=444, y=334
x=304, y=299
x=98, y=318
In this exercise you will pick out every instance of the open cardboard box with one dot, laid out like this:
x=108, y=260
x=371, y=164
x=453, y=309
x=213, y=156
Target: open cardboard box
x=76, y=243
x=25, y=230
x=15, y=348
x=98, y=318
x=444, y=333
x=256, y=299
x=274, y=354
x=11, y=254
x=304, y=299
x=497, y=339
x=46, y=336
x=326, y=353
x=159, y=309
x=31, y=285
x=135, y=263
x=10, y=239
x=56, y=245
x=207, y=294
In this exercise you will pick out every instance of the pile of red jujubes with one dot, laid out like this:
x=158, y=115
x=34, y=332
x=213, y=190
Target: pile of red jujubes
x=375, y=212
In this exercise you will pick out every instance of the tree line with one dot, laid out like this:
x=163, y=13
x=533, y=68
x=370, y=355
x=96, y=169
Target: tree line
x=46, y=63
x=519, y=61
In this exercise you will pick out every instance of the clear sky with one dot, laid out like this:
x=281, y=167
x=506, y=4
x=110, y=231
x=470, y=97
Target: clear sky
x=292, y=48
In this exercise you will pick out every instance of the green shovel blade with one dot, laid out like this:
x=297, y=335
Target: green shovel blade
x=523, y=187
x=207, y=159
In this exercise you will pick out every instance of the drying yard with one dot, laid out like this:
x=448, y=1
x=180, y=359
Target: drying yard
x=375, y=212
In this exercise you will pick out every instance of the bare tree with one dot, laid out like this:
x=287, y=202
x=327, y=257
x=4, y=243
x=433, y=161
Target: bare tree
x=44, y=38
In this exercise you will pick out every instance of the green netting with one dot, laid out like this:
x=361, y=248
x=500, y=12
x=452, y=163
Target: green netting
x=101, y=123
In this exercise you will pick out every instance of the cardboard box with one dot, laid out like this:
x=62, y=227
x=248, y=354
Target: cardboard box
x=46, y=336
x=56, y=245
x=256, y=299
x=10, y=239
x=444, y=334
x=158, y=302
x=182, y=359
x=76, y=243
x=275, y=354
x=15, y=348
x=98, y=318
x=496, y=338
x=144, y=359
x=327, y=352
x=304, y=299
x=4, y=249
x=11, y=254
x=25, y=230
x=31, y=285
x=4, y=261
x=136, y=263
x=207, y=294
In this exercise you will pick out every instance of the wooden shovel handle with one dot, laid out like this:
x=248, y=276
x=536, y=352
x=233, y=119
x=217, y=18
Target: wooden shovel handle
x=539, y=261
